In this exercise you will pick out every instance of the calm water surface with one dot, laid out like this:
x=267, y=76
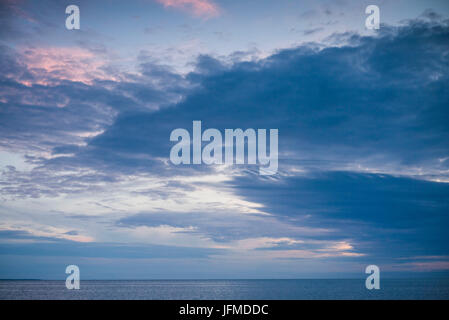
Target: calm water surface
x=226, y=289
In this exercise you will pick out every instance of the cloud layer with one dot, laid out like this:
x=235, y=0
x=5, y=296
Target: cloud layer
x=364, y=156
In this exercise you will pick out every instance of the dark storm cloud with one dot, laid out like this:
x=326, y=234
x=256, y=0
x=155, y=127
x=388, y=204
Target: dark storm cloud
x=381, y=100
x=401, y=213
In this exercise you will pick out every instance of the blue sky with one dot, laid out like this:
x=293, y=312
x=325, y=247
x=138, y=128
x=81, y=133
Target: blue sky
x=86, y=116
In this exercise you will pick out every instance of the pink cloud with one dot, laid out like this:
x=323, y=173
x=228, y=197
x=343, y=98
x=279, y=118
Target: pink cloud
x=428, y=265
x=197, y=7
x=52, y=64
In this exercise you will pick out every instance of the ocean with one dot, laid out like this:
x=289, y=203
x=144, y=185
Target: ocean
x=226, y=289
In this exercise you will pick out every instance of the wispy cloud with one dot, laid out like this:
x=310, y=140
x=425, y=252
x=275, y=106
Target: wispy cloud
x=204, y=8
x=54, y=64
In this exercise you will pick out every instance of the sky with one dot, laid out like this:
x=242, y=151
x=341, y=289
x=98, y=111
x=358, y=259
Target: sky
x=86, y=117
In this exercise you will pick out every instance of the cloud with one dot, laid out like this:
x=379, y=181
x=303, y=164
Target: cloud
x=383, y=216
x=225, y=226
x=56, y=64
x=366, y=107
x=59, y=247
x=205, y=8
x=425, y=266
x=43, y=234
x=363, y=142
x=55, y=99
